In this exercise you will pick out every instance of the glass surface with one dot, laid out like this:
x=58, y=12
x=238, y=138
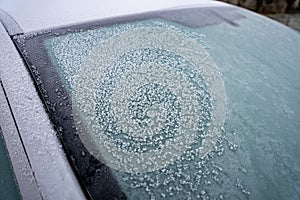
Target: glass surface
x=8, y=187
x=188, y=104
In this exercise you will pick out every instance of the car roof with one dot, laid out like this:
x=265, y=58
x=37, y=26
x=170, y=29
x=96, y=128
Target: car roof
x=35, y=15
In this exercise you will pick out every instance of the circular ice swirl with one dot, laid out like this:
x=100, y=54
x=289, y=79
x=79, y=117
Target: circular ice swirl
x=147, y=96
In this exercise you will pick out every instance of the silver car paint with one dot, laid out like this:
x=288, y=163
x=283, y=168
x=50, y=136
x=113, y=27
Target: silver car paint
x=54, y=176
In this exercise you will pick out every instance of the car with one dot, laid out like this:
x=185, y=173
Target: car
x=147, y=100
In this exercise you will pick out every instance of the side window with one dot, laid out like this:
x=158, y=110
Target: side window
x=8, y=186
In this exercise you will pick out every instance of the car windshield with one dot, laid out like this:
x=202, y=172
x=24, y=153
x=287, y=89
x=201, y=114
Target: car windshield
x=181, y=104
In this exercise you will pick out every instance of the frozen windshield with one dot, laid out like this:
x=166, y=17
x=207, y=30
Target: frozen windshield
x=187, y=104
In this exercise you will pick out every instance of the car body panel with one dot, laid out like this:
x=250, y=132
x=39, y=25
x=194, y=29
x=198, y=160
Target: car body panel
x=20, y=164
x=43, y=151
x=9, y=23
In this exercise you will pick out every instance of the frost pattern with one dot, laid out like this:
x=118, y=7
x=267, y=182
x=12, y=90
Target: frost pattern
x=147, y=96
